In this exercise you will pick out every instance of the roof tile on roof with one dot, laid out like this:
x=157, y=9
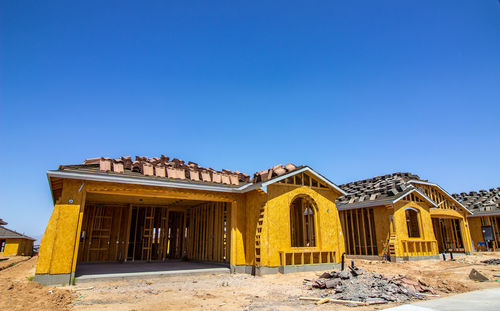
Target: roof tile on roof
x=379, y=188
x=481, y=202
x=163, y=167
x=11, y=234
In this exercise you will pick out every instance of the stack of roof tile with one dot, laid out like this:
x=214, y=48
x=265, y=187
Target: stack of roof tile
x=165, y=168
x=272, y=172
x=481, y=201
x=377, y=188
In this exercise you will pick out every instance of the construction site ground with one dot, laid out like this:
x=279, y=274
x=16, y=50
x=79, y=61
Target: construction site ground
x=224, y=291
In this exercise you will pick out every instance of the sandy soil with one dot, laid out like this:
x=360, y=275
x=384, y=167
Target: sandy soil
x=225, y=292
x=6, y=262
x=18, y=293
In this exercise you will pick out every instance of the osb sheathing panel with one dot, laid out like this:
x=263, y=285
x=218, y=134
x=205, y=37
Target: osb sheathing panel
x=58, y=246
x=255, y=200
x=424, y=222
x=276, y=227
x=238, y=231
x=381, y=215
x=12, y=247
x=475, y=229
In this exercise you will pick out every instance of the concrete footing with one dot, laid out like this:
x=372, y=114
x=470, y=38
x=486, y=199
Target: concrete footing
x=262, y=270
x=54, y=279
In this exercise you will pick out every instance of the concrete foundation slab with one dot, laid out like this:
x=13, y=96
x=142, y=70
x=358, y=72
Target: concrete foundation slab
x=120, y=271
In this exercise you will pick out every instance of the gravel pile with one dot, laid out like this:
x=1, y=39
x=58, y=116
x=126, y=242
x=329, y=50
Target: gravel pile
x=494, y=261
x=355, y=284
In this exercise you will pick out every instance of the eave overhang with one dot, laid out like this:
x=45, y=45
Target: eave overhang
x=184, y=185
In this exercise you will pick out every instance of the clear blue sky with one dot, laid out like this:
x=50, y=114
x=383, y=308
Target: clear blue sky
x=354, y=89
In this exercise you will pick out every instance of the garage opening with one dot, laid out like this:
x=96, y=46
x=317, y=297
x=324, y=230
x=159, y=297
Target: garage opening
x=171, y=231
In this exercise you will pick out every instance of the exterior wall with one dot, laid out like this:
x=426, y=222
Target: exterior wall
x=426, y=244
x=255, y=200
x=382, y=216
x=276, y=228
x=464, y=224
x=475, y=230
x=19, y=247
x=59, y=245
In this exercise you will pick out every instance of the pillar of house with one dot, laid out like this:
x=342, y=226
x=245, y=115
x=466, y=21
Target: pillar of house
x=59, y=246
x=466, y=237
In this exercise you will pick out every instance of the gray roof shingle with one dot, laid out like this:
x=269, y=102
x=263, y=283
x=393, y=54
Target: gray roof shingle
x=377, y=189
x=11, y=234
x=481, y=202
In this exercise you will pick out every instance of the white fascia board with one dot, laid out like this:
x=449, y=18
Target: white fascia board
x=436, y=185
x=494, y=213
x=304, y=169
x=346, y=207
x=142, y=181
x=192, y=186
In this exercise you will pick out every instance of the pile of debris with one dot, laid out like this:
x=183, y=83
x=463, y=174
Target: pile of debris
x=356, y=285
x=494, y=261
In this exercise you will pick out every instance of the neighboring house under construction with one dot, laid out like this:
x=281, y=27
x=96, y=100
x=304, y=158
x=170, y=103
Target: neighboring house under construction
x=402, y=217
x=13, y=243
x=485, y=219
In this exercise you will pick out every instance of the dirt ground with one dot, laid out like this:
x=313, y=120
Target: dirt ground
x=226, y=292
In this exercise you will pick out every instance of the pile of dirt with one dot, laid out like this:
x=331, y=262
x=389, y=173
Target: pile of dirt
x=18, y=293
x=355, y=284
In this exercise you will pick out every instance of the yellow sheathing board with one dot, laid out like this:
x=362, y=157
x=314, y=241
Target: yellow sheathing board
x=475, y=229
x=425, y=228
x=58, y=245
x=255, y=200
x=381, y=215
x=11, y=247
x=276, y=230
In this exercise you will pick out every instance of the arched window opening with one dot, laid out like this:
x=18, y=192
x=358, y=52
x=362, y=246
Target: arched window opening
x=412, y=223
x=302, y=223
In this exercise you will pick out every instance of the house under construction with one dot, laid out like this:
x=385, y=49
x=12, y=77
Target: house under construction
x=402, y=217
x=165, y=210
x=13, y=243
x=485, y=219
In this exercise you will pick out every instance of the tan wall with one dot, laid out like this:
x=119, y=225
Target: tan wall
x=276, y=231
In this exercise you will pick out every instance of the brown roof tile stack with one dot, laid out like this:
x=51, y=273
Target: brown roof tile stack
x=481, y=201
x=274, y=171
x=163, y=167
x=377, y=188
